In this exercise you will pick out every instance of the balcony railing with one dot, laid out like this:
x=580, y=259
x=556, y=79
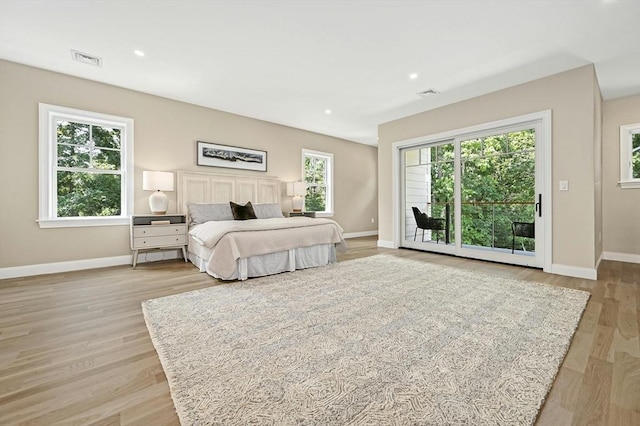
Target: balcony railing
x=497, y=215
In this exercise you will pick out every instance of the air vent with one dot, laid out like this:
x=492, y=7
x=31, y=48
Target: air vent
x=427, y=93
x=85, y=58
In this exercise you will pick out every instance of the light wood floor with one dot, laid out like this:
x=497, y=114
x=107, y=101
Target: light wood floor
x=74, y=348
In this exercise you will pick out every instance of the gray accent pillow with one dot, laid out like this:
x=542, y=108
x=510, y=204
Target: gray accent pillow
x=201, y=213
x=267, y=211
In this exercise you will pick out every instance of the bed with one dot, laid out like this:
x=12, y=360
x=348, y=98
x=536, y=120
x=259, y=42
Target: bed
x=231, y=249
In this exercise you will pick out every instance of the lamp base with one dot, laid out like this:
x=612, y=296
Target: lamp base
x=158, y=202
x=296, y=203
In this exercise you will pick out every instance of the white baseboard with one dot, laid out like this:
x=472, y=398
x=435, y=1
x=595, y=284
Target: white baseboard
x=386, y=244
x=621, y=257
x=574, y=271
x=77, y=265
x=359, y=234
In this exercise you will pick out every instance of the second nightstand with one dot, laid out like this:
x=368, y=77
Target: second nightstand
x=306, y=214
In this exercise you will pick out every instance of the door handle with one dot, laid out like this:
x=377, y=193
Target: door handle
x=539, y=205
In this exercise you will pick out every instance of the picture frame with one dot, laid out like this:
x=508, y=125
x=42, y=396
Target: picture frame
x=230, y=157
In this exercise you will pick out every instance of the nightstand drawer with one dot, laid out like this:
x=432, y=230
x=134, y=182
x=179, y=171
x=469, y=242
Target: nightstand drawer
x=159, y=241
x=158, y=230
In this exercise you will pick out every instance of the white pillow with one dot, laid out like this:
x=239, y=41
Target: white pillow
x=267, y=211
x=201, y=213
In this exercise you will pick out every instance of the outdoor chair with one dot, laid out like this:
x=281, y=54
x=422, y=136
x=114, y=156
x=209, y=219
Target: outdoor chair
x=522, y=229
x=425, y=222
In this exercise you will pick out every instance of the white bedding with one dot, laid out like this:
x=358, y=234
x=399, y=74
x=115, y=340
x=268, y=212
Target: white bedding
x=241, y=249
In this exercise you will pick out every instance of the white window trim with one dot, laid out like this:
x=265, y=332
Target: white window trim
x=329, y=156
x=48, y=158
x=626, y=133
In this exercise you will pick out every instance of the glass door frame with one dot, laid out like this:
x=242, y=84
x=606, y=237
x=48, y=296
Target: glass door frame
x=541, y=122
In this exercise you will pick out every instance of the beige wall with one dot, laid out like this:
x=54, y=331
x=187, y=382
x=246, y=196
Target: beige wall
x=166, y=132
x=597, y=163
x=620, y=207
x=570, y=95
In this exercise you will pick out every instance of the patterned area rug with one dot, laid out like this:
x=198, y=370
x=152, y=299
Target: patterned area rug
x=379, y=340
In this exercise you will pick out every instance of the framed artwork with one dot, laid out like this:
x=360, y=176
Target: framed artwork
x=232, y=157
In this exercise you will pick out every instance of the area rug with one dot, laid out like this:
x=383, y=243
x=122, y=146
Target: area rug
x=379, y=340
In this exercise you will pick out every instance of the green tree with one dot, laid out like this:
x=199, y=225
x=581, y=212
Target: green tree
x=85, y=155
x=635, y=156
x=315, y=175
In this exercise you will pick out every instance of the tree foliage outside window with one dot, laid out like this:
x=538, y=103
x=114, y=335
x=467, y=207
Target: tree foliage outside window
x=88, y=169
x=317, y=176
x=635, y=155
x=630, y=156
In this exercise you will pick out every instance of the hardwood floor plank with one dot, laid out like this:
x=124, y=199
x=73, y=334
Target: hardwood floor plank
x=602, y=341
x=620, y=344
x=626, y=381
x=609, y=314
x=566, y=388
x=622, y=417
x=554, y=415
x=74, y=348
x=590, y=317
x=577, y=357
x=627, y=311
x=592, y=407
x=155, y=401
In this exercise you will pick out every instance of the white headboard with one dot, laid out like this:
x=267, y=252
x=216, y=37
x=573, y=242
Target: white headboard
x=200, y=187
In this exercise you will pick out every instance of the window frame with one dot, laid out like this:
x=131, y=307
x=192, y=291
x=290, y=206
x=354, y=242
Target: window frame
x=626, y=169
x=329, y=208
x=48, y=158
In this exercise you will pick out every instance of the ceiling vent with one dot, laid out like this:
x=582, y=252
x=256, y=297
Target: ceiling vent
x=427, y=93
x=85, y=58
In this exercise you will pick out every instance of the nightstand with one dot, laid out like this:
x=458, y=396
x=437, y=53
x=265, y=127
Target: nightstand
x=156, y=232
x=305, y=214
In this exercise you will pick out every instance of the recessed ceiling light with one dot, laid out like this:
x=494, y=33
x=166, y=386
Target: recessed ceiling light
x=327, y=111
x=138, y=52
x=413, y=76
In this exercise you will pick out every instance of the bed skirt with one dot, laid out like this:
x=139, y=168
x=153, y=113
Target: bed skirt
x=268, y=264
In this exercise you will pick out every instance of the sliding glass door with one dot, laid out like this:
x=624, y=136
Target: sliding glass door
x=476, y=195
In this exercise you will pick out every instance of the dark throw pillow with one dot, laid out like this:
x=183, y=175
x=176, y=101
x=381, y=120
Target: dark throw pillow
x=242, y=212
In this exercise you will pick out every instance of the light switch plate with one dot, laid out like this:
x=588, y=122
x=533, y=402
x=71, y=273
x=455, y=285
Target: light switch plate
x=564, y=185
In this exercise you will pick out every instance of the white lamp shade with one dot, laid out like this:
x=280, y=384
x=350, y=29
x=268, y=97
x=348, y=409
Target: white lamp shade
x=299, y=188
x=157, y=181
x=296, y=188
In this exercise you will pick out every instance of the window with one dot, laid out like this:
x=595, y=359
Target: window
x=630, y=156
x=317, y=170
x=86, y=168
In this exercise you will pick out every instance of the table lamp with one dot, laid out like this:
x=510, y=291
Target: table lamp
x=158, y=182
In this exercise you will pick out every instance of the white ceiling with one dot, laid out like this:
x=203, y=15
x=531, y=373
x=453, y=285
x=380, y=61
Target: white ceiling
x=289, y=61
